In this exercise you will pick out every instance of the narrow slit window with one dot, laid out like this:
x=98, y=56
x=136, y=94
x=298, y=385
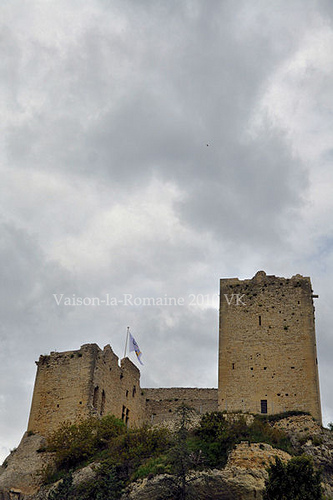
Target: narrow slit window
x=102, y=403
x=263, y=405
x=95, y=397
x=259, y=320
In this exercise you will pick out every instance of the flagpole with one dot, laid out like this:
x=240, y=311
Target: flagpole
x=126, y=341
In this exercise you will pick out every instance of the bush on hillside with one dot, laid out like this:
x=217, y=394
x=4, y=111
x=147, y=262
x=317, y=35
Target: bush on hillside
x=295, y=480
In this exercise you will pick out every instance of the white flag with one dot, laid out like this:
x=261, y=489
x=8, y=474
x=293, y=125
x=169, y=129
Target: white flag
x=133, y=346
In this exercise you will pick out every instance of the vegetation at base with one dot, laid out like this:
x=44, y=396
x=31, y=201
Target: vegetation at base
x=74, y=444
x=124, y=455
x=120, y=452
x=275, y=417
x=295, y=480
x=217, y=436
x=64, y=489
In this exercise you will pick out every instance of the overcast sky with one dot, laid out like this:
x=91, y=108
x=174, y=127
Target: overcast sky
x=149, y=149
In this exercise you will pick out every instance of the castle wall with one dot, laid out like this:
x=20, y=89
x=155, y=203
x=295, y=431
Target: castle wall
x=116, y=389
x=162, y=404
x=267, y=348
x=62, y=391
x=74, y=385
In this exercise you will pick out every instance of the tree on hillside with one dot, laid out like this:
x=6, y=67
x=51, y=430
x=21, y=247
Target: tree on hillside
x=182, y=459
x=295, y=480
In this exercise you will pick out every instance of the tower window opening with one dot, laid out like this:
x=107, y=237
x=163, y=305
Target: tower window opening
x=102, y=403
x=233, y=366
x=263, y=405
x=95, y=397
x=259, y=320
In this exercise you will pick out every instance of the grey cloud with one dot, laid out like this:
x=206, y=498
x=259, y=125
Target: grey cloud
x=104, y=102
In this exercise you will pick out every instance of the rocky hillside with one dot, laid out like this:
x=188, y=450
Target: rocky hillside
x=154, y=473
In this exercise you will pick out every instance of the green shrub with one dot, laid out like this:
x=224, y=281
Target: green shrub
x=76, y=443
x=217, y=436
x=134, y=447
x=153, y=466
x=108, y=484
x=64, y=490
x=296, y=480
x=316, y=440
x=123, y=454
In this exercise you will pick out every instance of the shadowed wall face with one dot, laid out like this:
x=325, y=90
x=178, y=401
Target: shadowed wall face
x=267, y=346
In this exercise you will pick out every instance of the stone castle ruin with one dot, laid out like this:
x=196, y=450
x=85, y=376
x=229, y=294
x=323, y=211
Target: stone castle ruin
x=74, y=385
x=267, y=364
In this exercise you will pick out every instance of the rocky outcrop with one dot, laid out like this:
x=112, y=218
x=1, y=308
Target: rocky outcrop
x=315, y=441
x=21, y=472
x=242, y=479
x=80, y=476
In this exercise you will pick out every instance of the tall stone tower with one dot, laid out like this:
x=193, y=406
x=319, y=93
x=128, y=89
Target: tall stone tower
x=267, y=346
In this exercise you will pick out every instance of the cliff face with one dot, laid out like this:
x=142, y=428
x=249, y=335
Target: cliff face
x=20, y=473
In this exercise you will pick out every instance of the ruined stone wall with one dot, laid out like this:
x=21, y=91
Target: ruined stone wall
x=267, y=348
x=162, y=404
x=73, y=385
x=62, y=390
x=116, y=389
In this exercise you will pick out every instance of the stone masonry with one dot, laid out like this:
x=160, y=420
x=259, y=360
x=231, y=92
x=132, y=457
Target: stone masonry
x=73, y=385
x=162, y=404
x=267, y=349
x=267, y=364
